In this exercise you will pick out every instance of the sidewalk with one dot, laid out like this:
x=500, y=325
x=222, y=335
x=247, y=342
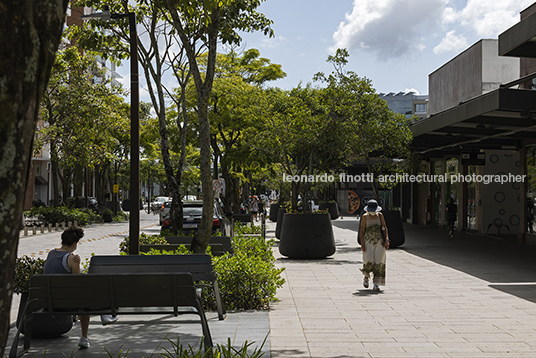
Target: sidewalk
x=470, y=296
x=140, y=335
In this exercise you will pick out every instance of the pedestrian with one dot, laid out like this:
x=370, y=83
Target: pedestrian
x=254, y=207
x=374, y=240
x=452, y=212
x=63, y=261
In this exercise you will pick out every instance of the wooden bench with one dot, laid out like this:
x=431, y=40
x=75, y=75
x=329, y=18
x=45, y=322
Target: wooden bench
x=199, y=265
x=98, y=294
x=225, y=241
x=216, y=249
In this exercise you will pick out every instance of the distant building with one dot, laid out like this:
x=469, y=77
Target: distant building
x=407, y=103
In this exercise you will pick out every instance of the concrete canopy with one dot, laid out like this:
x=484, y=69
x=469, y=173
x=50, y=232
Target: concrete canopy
x=500, y=119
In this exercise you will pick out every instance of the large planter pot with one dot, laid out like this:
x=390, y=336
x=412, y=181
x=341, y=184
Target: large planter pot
x=332, y=208
x=393, y=220
x=274, y=209
x=107, y=218
x=307, y=236
x=280, y=216
x=45, y=326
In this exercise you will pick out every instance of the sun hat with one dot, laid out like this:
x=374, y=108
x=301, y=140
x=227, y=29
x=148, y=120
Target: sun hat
x=372, y=206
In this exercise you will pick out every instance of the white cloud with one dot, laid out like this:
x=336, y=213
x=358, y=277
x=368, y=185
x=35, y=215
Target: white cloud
x=273, y=42
x=451, y=42
x=490, y=18
x=389, y=28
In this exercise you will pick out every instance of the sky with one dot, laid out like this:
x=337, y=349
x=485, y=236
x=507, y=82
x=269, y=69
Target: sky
x=394, y=43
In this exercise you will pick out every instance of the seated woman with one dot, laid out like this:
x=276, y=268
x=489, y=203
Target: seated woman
x=63, y=261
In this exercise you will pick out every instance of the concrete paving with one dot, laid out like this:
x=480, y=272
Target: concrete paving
x=470, y=296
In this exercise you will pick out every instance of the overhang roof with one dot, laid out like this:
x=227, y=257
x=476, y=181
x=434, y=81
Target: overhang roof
x=500, y=119
x=520, y=39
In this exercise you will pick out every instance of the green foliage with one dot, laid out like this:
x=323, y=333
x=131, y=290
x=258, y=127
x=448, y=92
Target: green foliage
x=218, y=351
x=121, y=216
x=53, y=215
x=26, y=267
x=245, y=228
x=144, y=240
x=247, y=280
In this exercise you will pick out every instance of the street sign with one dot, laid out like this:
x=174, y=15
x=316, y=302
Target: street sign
x=116, y=188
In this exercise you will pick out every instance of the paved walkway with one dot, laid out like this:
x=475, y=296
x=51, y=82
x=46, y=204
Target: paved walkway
x=470, y=296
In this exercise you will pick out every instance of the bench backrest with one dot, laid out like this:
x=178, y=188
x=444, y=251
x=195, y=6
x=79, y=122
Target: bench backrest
x=225, y=241
x=199, y=265
x=111, y=291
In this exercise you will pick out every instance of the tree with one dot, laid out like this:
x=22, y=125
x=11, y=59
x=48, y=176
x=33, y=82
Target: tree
x=375, y=133
x=86, y=123
x=155, y=61
x=200, y=24
x=237, y=84
x=30, y=33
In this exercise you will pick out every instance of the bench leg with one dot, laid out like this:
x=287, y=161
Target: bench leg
x=204, y=324
x=222, y=313
x=27, y=322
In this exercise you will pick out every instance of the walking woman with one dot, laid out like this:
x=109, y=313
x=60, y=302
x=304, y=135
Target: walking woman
x=374, y=244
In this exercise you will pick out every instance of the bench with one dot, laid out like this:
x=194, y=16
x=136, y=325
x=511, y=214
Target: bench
x=98, y=294
x=199, y=266
x=225, y=241
x=216, y=249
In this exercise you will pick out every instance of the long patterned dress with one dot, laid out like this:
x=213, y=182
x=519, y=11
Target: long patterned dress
x=374, y=256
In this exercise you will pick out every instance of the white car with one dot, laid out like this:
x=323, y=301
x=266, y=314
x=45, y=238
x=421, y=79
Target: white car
x=158, y=201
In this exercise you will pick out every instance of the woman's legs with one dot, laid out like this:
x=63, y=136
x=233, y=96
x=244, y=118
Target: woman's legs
x=84, y=325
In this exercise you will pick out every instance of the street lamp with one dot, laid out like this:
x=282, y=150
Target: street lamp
x=134, y=224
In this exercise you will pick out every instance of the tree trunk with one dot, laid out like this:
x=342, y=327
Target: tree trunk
x=30, y=32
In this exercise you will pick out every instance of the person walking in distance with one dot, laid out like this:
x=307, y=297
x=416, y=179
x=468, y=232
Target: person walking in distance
x=452, y=213
x=374, y=240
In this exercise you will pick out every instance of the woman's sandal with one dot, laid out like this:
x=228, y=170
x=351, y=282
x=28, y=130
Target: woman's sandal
x=376, y=288
x=365, y=282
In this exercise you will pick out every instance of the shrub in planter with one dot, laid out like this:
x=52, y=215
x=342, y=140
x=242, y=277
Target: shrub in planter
x=144, y=240
x=26, y=267
x=53, y=215
x=248, y=279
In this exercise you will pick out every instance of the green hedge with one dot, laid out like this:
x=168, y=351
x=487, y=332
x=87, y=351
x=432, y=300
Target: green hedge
x=247, y=280
x=53, y=215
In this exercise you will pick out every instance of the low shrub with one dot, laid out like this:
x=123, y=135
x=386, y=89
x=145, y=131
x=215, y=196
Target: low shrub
x=53, y=215
x=242, y=229
x=26, y=267
x=247, y=280
x=144, y=240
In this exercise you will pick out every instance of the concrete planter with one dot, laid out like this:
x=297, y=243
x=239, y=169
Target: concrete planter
x=274, y=209
x=307, y=236
x=45, y=326
x=393, y=220
x=280, y=216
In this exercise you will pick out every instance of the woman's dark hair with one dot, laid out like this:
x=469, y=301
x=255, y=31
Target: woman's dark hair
x=72, y=235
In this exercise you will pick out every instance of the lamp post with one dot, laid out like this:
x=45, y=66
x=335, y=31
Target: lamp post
x=134, y=223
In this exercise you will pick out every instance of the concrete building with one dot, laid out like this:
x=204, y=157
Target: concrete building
x=407, y=103
x=481, y=124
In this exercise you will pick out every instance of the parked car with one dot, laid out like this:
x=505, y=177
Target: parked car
x=189, y=198
x=192, y=211
x=158, y=201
